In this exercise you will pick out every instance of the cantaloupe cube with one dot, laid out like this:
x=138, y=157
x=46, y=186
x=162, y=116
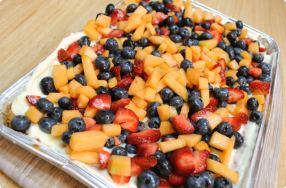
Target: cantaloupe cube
x=193, y=75
x=88, y=157
x=119, y=165
x=164, y=112
x=188, y=11
x=152, y=61
x=154, y=79
x=78, y=69
x=205, y=95
x=161, y=85
x=70, y=73
x=89, y=72
x=260, y=98
x=140, y=94
x=191, y=139
x=243, y=34
x=103, y=20
x=164, y=69
x=196, y=52
x=189, y=54
x=141, y=103
x=222, y=112
x=210, y=44
x=176, y=87
x=217, y=27
x=171, y=46
x=185, y=109
x=138, y=111
x=138, y=34
x=179, y=58
x=64, y=89
x=158, y=98
x=219, y=141
x=54, y=97
x=111, y=129
x=69, y=114
x=149, y=70
x=225, y=156
x=245, y=62
x=172, y=145
x=137, y=84
x=91, y=32
x=112, y=82
x=216, y=152
x=87, y=51
x=146, y=34
x=203, y=83
x=253, y=47
x=33, y=114
x=173, y=111
x=134, y=21
x=169, y=59
x=150, y=27
x=87, y=91
x=60, y=76
x=182, y=78
x=149, y=94
x=73, y=86
x=90, y=112
x=166, y=128
x=88, y=140
x=140, y=10
x=163, y=47
x=148, y=19
x=202, y=145
x=82, y=101
x=231, y=73
x=198, y=16
x=149, y=49
x=214, y=120
x=245, y=55
x=157, y=40
x=59, y=129
x=220, y=169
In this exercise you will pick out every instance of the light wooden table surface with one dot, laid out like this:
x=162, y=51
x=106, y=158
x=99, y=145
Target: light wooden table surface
x=30, y=30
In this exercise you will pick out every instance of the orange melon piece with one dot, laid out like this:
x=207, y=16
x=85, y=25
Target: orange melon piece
x=103, y=20
x=152, y=61
x=140, y=10
x=219, y=141
x=179, y=58
x=157, y=40
x=88, y=140
x=54, y=97
x=91, y=32
x=140, y=55
x=214, y=120
x=230, y=26
x=151, y=28
x=138, y=34
x=148, y=70
x=166, y=128
x=243, y=34
x=111, y=129
x=164, y=112
x=150, y=94
x=169, y=60
x=89, y=112
x=163, y=47
x=82, y=101
x=64, y=89
x=203, y=83
x=60, y=76
x=193, y=76
x=173, y=111
x=87, y=91
x=112, y=82
x=89, y=72
x=185, y=109
x=171, y=46
x=34, y=114
x=88, y=157
x=69, y=114
x=189, y=54
x=73, y=86
x=78, y=69
x=139, y=102
x=188, y=11
x=137, y=84
x=158, y=98
x=176, y=87
x=138, y=111
x=161, y=85
x=140, y=94
x=260, y=98
x=205, y=95
x=164, y=69
x=134, y=22
x=154, y=79
x=202, y=146
x=216, y=152
x=210, y=44
x=245, y=62
x=222, y=112
x=191, y=139
x=172, y=145
x=70, y=73
x=88, y=51
x=217, y=27
x=59, y=129
x=148, y=19
x=253, y=47
x=225, y=156
x=245, y=55
x=198, y=16
x=119, y=165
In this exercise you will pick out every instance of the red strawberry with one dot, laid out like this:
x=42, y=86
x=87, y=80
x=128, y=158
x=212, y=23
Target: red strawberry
x=121, y=103
x=158, y=18
x=73, y=49
x=146, y=136
x=200, y=28
x=117, y=15
x=222, y=64
x=101, y=102
x=146, y=150
x=138, y=68
x=173, y=7
x=145, y=162
x=164, y=183
x=200, y=114
x=98, y=48
x=120, y=179
x=186, y=162
x=255, y=72
x=127, y=119
x=234, y=122
x=89, y=122
x=32, y=99
x=259, y=87
x=262, y=49
x=63, y=55
x=234, y=95
x=212, y=106
x=165, y=31
x=115, y=33
x=216, y=35
x=103, y=158
x=243, y=117
x=247, y=41
x=116, y=141
x=125, y=82
x=176, y=180
x=116, y=71
x=135, y=168
x=182, y=124
x=96, y=127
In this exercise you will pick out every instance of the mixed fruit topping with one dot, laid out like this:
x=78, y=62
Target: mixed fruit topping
x=156, y=90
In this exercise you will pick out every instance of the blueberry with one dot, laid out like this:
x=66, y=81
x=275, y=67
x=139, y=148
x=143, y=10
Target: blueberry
x=190, y=42
x=238, y=58
x=109, y=9
x=104, y=75
x=176, y=38
x=222, y=45
x=141, y=126
x=131, y=149
x=166, y=94
x=249, y=79
x=265, y=67
x=241, y=44
x=184, y=32
x=44, y=105
x=231, y=36
x=80, y=79
x=47, y=85
x=169, y=21
x=255, y=116
x=252, y=103
x=222, y=104
x=174, y=29
x=119, y=93
x=126, y=67
x=76, y=59
x=156, y=53
x=169, y=137
x=206, y=25
x=154, y=122
x=185, y=64
x=230, y=52
x=66, y=136
x=56, y=114
x=123, y=136
x=188, y=22
x=84, y=41
x=65, y=103
x=20, y=123
x=258, y=58
x=104, y=116
x=163, y=167
x=205, y=36
x=119, y=150
x=230, y=81
x=159, y=155
x=245, y=88
x=159, y=7
x=166, y=2
x=242, y=71
x=225, y=129
x=202, y=126
x=131, y=8
x=265, y=78
x=242, y=80
x=68, y=64
x=221, y=94
x=222, y=182
x=196, y=104
x=116, y=60
x=214, y=157
x=238, y=140
x=110, y=143
x=177, y=102
x=143, y=42
x=102, y=63
x=111, y=44
x=206, y=138
x=128, y=53
x=102, y=90
x=201, y=180
x=46, y=124
x=148, y=179
x=152, y=109
x=193, y=94
x=76, y=125
x=129, y=43
x=195, y=36
x=239, y=24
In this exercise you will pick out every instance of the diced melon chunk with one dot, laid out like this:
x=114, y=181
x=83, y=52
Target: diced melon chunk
x=152, y=61
x=119, y=165
x=158, y=98
x=64, y=89
x=112, y=82
x=176, y=87
x=137, y=84
x=140, y=10
x=205, y=94
x=60, y=76
x=69, y=114
x=166, y=128
x=88, y=51
x=33, y=114
x=151, y=28
x=82, y=101
x=191, y=139
x=219, y=141
x=193, y=75
x=70, y=73
x=133, y=22
x=164, y=112
x=90, y=112
x=91, y=32
x=185, y=109
x=140, y=94
x=111, y=129
x=54, y=97
x=202, y=146
x=149, y=94
x=88, y=157
x=141, y=103
x=87, y=91
x=73, y=86
x=138, y=111
x=89, y=71
x=59, y=129
x=216, y=152
x=172, y=145
x=225, y=156
x=103, y=20
x=210, y=44
x=169, y=59
x=214, y=120
x=203, y=83
x=157, y=40
x=138, y=34
x=154, y=79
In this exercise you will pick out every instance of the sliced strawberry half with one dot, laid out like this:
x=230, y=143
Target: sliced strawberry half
x=158, y=18
x=212, y=106
x=116, y=33
x=262, y=49
x=138, y=68
x=255, y=72
x=125, y=82
x=121, y=103
x=234, y=95
x=164, y=183
x=32, y=99
x=259, y=87
x=165, y=31
x=145, y=162
x=101, y=102
x=73, y=49
x=235, y=122
x=182, y=124
x=63, y=55
x=117, y=15
x=146, y=136
x=200, y=28
x=120, y=179
x=127, y=119
x=176, y=180
x=103, y=158
x=135, y=168
x=98, y=48
x=200, y=114
x=89, y=122
x=186, y=162
x=116, y=71
x=146, y=150
x=243, y=117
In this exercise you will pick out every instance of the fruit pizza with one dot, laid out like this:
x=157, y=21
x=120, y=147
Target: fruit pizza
x=156, y=93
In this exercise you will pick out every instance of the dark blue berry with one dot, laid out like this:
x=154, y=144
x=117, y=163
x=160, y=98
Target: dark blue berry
x=119, y=93
x=190, y=42
x=154, y=122
x=20, y=123
x=231, y=36
x=66, y=136
x=156, y=53
x=239, y=24
x=143, y=42
x=123, y=136
x=249, y=79
x=265, y=67
x=46, y=124
x=222, y=45
x=185, y=64
x=148, y=179
x=126, y=67
x=206, y=25
x=131, y=8
x=163, y=167
x=222, y=182
x=68, y=64
x=159, y=155
x=242, y=71
x=230, y=81
x=196, y=104
x=56, y=114
x=225, y=129
x=203, y=179
x=47, y=85
x=131, y=149
x=176, y=38
x=184, y=32
x=239, y=140
x=109, y=9
x=128, y=53
x=237, y=51
x=152, y=109
x=102, y=63
x=169, y=21
x=255, y=116
x=258, y=58
x=174, y=29
x=221, y=94
x=102, y=90
x=166, y=94
x=265, y=78
x=104, y=75
x=80, y=79
x=111, y=45
x=241, y=44
x=76, y=59
x=205, y=36
x=202, y=126
x=110, y=143
x=242, y=80
x=230, y=52
x=214, y=157
x=44, y=105
x=141, y=126
x=119, y=150
x=76, y=125
x=84, y=41
x=104, y=116
x=177, y=102
x=245, y=88
x=129, y=43
x=252, y=103
x=188, y=22
x=222, y=104
x=65, y=103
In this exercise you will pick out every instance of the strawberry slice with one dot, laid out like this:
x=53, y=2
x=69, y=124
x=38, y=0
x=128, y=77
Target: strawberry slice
x=216, y=35
x=182, y=124
x=63, y=55
x=120, y=179
x=164, y=183
x=146, y=150
x=146, y=136
x=117, y=15
x=262, y=49
x=96, y=127
x=255, y=72
x=158, y=17
x=173, y=7
x=243, y=117
x=32, y=99
x=234, y=95
x=259, y=87
x=116, y=71
x=186, y=162
x=116, y=33
x=127, y=119
x=103, y=158
x=200, y=114
x=117, y=141
x=138, y=68
x=145, y=162
x=98, y=48
x=235, y=122
x=176, y=180
x=165, y=31
x=101, y=102
x=136, y=170
x=212, y=106
x=89, y=122
x=200, y=28
x=247, y=41
x=125, y=82
x=73, y=49
x=121, y=103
